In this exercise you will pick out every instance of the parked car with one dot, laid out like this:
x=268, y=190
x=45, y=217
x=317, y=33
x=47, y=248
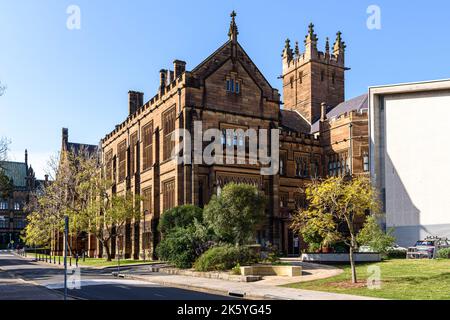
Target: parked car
x=427, y=248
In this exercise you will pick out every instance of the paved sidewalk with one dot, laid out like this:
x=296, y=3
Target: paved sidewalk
x=250, y=290
x=268, y=288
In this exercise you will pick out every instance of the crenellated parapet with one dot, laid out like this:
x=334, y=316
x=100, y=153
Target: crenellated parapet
x=294, y=58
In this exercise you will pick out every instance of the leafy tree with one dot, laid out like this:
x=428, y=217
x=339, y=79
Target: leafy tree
x=371, y=235
x=182, y=246
x=335, y=205
x=179, y=217
x=235, y=213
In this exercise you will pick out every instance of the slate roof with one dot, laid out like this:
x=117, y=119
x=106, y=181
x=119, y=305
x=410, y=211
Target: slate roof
x=356, y=104
x=77, y=147
x=293, y=121
x=16, y=171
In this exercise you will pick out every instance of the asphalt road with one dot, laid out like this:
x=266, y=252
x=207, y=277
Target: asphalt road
x=22, y=279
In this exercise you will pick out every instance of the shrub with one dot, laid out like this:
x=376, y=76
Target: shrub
x=236, y=270
x=179, y=217
x=396, y=254
x=183, y=245
x=224, y=258
x=444, y=253
x=371, y=235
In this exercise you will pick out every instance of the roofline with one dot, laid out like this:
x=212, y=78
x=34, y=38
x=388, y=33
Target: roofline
x=440, y=84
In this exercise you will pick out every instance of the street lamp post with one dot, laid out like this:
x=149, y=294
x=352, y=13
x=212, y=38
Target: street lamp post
x=144, y=236
x=66, y=243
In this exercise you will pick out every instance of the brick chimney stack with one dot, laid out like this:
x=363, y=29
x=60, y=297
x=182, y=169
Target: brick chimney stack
x=162, y=80
x=323, y=111
x=179, y=68
x=135, y=101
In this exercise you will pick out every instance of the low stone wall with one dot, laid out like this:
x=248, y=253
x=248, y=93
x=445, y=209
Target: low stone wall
x=340, y=257
x=209, y=275
x=267, y=270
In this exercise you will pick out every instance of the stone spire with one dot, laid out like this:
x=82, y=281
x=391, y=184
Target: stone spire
x=287, y=52
x=339, y=45
x=327, y=46
x=296, y=50
x=311, y=43
x=311, y=37
x=233, y=32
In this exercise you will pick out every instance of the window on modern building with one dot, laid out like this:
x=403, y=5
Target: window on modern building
x=147, y=139
x=4, y=222
x=109, y=165
x=168, y=195
x=133, y=149
x=122, y=158
x=16, y=206
x=168, y=130
x=366, y=162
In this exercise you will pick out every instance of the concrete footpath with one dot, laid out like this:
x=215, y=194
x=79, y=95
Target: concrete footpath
x=248, y=290
x=266, y=289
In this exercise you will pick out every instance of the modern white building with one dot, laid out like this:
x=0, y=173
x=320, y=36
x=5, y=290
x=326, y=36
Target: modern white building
x=410, y=157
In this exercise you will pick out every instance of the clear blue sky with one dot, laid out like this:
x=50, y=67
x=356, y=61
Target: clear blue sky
x=79, y=79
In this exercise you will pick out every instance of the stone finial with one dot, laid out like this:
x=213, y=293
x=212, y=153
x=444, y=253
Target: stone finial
x=327, y=46
x=287, y=52
x=339, y=45
x=296, y=50
x=233, y=32
x=311, y=37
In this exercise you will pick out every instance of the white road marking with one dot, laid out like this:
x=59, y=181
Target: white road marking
x=99, y=282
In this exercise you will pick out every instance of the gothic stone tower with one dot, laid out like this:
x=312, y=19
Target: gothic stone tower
x=313, y=77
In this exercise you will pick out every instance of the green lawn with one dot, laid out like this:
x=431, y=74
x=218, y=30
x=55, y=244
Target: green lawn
x=400, y=280
x=95, y=262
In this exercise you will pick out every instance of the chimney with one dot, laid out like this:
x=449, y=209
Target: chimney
x=135, y=101
x=162, y=80
x=65, y=138
x=46, y=180
x=179, y=68
x=26, y=158
x=323, y=111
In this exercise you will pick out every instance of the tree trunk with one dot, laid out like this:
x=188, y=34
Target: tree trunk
x=352, y=263
x=108, y=253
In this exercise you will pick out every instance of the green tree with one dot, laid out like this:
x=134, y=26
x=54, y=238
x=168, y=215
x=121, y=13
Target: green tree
x=235, y=214
x=335, y=205
x=179, y=217
x=371, y=235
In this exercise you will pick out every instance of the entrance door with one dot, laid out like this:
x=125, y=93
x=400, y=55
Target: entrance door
x=293, y=244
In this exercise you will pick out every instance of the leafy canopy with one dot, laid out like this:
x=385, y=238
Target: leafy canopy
x=235, y=213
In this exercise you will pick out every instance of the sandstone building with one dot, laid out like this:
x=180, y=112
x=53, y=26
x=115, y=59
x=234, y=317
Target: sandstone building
x=14, y=196
x=320, y=135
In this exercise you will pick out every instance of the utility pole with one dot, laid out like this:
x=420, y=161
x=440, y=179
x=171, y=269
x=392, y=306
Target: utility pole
x=66, y=243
